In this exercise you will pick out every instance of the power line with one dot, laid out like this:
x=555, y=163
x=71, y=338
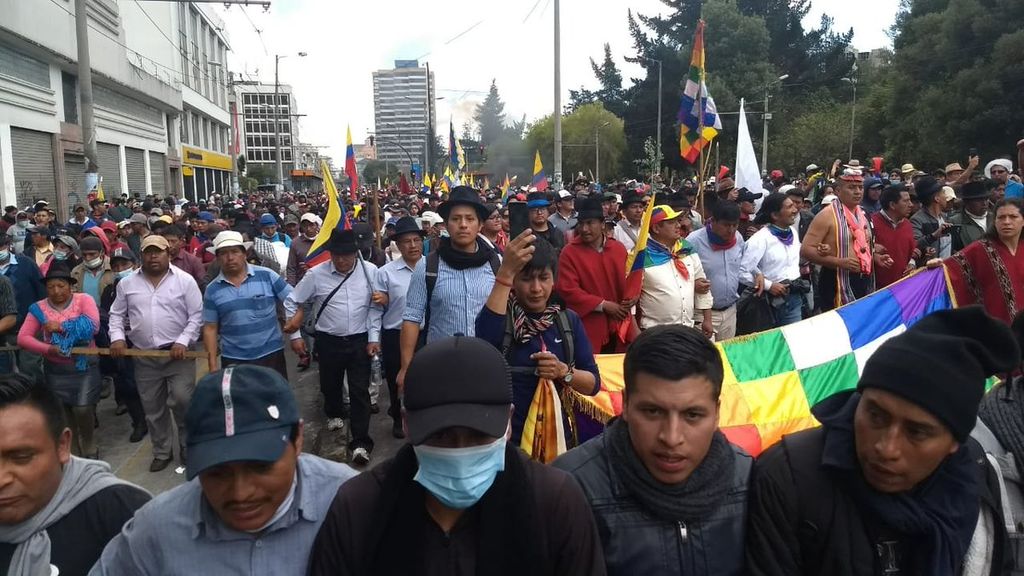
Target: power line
x=259, y=33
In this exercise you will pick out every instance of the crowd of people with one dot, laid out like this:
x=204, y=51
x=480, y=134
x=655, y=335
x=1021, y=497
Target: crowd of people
x=483, y=311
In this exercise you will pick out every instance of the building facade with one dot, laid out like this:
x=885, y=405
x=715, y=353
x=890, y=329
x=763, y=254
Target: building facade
x=205, y=123
x=256, y=103
x=136, y=91
x=403, y=107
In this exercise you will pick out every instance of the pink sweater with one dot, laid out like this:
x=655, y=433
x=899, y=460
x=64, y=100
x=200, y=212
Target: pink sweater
x=79, y=305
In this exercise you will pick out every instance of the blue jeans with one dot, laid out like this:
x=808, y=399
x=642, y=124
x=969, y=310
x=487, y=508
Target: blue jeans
x=790, y=312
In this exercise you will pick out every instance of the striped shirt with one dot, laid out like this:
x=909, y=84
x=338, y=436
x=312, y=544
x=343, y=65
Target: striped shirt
x=392, y=279
x=458, y=298
x=246, y=315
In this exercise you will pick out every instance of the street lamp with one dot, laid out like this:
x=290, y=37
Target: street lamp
x=853, y=109
x=277, y=127
x=767, y=116
x=597, y=152
x=657, y=150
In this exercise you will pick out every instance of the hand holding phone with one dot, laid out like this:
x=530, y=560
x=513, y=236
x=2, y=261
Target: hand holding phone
x=518, y=218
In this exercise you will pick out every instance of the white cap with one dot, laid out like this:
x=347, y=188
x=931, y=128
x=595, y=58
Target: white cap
x=310, y=217
x=432, y=217
x=786, y=188
x=564, y=194
x=227, y=239
x=811, y=168
x=948, y=193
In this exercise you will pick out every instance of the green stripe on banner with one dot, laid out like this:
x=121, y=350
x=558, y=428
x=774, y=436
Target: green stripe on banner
x=760, y=356
x=826, y=379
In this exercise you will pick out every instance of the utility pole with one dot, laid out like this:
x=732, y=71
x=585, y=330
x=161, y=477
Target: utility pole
x=767, y=117
x=277, y=127
x=558, y=97
x=92, y=164
x=430, y=126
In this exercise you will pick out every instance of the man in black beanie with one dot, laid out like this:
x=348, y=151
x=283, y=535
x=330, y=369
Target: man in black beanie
x=891, y=484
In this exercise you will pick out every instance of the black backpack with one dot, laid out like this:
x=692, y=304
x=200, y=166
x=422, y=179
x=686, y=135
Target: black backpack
x=565, y=333
x=433, y=263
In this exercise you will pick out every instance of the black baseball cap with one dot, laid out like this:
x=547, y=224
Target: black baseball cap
x=477, y=395
x=241, y=413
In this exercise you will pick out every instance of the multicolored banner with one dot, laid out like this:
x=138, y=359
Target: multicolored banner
x=336, y=219
x=773, y=378
x=699, y=122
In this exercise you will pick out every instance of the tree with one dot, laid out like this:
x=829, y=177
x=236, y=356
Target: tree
x=578, y=139
x=610, y=94
x=490, y=116
x=262, y=173
x=957, y=80
x=379, y=170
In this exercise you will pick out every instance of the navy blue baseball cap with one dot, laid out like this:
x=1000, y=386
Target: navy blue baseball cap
x=242, y=413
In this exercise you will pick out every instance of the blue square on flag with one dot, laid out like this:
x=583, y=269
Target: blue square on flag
x=869, y=318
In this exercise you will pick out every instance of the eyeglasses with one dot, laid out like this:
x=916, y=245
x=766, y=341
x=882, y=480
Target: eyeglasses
x=494, y=217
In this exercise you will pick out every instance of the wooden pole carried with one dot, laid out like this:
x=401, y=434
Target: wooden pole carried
x=128, y=352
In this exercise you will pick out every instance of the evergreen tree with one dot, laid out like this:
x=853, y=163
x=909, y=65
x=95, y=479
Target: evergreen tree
x=490, y=117
x=610, y=93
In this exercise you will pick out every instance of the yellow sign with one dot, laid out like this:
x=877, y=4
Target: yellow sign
x=204, y=159
x=187, y=171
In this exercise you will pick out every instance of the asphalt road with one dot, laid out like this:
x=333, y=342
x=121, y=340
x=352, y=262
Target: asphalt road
x=131, y=461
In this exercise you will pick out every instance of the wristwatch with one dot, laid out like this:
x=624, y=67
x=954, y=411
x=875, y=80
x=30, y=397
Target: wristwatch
x=568, y=375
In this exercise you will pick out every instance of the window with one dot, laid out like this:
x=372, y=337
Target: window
x=183, y=128
x=69, y=86
x=195, y=129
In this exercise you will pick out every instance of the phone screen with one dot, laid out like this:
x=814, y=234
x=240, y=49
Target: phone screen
x=518, y=218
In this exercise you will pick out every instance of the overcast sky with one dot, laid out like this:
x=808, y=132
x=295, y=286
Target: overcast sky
x=467, y=42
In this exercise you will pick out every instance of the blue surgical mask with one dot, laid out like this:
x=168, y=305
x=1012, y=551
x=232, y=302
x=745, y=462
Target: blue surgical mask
x=5, y=255
x=459, y=477
x=59, y=256
x=123, y=274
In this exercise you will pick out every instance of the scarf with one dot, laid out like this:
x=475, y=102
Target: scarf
x=717, y=242
x=658, y=254
x=81, y=479
x=507, y=526
x=693, y=500
x=1001, y=411
x=460, y=260
x=938, y=516
x=784, y=235
x=525, y=324
x=849, y=229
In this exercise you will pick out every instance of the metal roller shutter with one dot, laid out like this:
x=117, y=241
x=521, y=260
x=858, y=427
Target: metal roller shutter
x=74, y=179
x=135, y=165
x=110, y=169
x=157, y=169
x=34, y=180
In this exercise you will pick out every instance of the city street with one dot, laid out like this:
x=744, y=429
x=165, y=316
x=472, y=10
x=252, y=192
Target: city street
x=131, y=461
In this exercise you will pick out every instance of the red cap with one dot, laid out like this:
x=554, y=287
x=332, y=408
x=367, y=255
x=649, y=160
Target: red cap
x=776, y=174
x=108, y=225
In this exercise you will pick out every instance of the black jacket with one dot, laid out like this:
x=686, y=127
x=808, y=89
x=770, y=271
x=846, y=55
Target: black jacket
x=802, y=522
x=636, y=543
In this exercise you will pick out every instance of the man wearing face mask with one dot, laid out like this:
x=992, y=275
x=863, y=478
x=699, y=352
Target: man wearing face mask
x=457, y=499
x=93, y=275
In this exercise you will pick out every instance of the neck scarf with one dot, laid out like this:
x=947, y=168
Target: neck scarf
x=693, y=500
x=785, y=235
x=526, y=325
x=80, y=480
x=937, y=517
x=507, y=528
x=857, y=221
x=659, y=254
x=848, y=233
x=460, y=260
x=1000, y=410
x=717, y=242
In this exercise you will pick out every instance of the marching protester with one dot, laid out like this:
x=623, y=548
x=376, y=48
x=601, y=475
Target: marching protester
x=591, y=279
x=309, y=226
x=240, y=310
x=564, y=216
x=538, y=203
x=58, y=511
x=974, y=218
x=839, y=241
x=491, y=232
x=670, y=293
x=8, y=320
x=458, y=498
x=891, y=483
x=159, y=308
x=65, y=319
x=342, y=317
x=931, y=231
x=126, y=392
x=449, y=286
x=27, y=283
x=720, y=248
x=999, y=170
x=894, y=236
x=182, y=258
x=748, y=209
x=538, y=338
x=666, y=487
x=268, y=231
x=628, y=229
x=771, y=259
x=253, y=502
x=393, y=280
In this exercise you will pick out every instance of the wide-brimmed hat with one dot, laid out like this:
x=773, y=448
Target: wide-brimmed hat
x=463, y=196
x=59, y=271
x=589, y=209
x=632, y=197
x=976, y=190
x=926, y=187
x=908, y=168
x=954, y=167
x=343, y=242
x=407, y=225
x=228, y=239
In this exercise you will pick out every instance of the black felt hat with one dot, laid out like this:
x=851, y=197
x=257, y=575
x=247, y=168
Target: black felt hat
x=343, y=242
x=590, y=208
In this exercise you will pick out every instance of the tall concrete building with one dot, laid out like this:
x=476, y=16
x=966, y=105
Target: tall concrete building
x=256, y=129
x=137, y=96
x=205, y=124
x=402, y=109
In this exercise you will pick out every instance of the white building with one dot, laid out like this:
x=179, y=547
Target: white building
x=136, y=80
x=205, y=126
x=256, y=129
x=400, y=112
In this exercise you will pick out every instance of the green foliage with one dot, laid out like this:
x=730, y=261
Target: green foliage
x=610, y=94
x=578, y=139
x=490, y=116
x=262, y=173
x=378, y=169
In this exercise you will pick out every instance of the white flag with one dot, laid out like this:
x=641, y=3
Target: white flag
x=747, y=173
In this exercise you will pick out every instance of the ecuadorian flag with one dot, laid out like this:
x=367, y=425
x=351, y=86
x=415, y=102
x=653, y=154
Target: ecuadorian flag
x=336, y=219
x=350, y=166
x=540, y=180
